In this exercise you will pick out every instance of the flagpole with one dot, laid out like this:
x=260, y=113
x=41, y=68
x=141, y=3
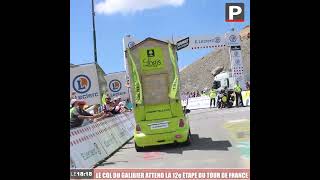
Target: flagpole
x=94, y=33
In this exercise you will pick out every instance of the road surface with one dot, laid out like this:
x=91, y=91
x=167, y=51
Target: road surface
x=212, y=146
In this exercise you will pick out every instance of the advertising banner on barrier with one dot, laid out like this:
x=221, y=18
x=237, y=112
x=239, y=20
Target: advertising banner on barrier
x=198, y=102
x=131, y=121
x=100, y=129
x=85, y=148
x=131, y=125
x=94, y=142
x=114, y=140
x=122, y=131
x=124, y=125
x=115, y=132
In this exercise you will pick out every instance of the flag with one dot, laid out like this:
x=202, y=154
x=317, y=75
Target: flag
x=175, y=83
x=136, y=80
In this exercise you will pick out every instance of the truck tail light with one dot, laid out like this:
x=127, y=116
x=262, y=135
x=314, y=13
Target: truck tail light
x=181, y=123
x=138, y=128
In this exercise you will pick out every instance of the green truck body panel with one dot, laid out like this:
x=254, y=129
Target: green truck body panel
x=159, y=113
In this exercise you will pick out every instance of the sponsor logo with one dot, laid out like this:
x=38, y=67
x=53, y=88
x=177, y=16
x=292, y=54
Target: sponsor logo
x=96, y=150
x=130, y=44
x=115, y=85
x=183, y=43
x=217, y=39
x=86, y=96
x=234, y=12
x=235, y=48
x=152, y=60
x=81, y=83
x=150, y=52
x=237, y=61
x=233, y=38
x=118, y=94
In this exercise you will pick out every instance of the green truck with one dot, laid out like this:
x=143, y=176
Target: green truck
x=154, y=81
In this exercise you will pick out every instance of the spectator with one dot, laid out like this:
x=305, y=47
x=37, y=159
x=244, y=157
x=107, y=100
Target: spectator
x=106, y=108
x=105, y=115
x=203, y=93
x=116, y=107
x=110, y=107
x=128, y=105
x=237, y=90
x=120, y=104
x=78, y=114
x=116, y=101
x=96, y=109
x=213, y=95
x=128, y=84
x=72, y=95
x=198, y=94
x=248, y=85
x=184, y=98
x=105, y=95
x=72, y=103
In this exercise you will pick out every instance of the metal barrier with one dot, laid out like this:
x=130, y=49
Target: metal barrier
x=93, y=143
x=204, y=101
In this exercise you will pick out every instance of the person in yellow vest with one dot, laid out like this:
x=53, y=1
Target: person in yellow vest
x=104, y=96
x=237, y=89
x=213, y=95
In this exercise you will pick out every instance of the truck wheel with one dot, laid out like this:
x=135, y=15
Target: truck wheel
x=188, y=141
x=138, y=148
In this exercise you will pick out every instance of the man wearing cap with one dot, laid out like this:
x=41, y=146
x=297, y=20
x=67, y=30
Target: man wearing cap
x=78, y=114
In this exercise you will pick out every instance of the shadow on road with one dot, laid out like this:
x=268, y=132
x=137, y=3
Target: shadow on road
x=196, y=144
x=111, y=163
x=130, y=142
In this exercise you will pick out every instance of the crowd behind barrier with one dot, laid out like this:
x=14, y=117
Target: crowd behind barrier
x=204, y=101
x=99, y=130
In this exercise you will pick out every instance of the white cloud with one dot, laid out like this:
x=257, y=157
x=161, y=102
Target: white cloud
x=131, y=6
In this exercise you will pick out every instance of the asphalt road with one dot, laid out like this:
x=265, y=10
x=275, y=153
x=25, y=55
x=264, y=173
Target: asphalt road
x=212, y=146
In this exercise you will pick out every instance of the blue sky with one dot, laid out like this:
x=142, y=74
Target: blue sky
x=118, y=18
